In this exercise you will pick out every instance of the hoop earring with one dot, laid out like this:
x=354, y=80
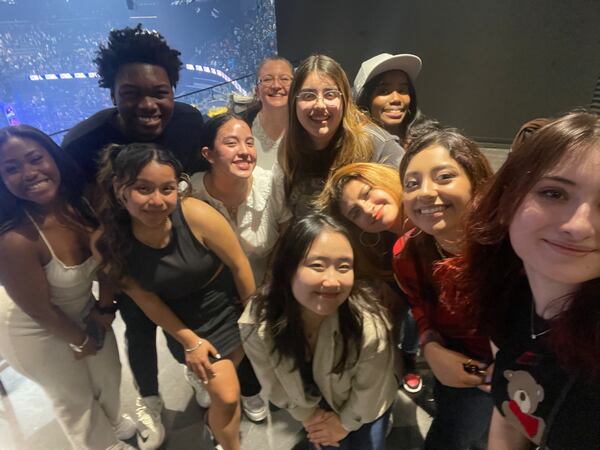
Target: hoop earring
x=369, y=244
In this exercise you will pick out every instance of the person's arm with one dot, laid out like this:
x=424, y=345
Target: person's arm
x=196, y=348
x=373, y=379
x=24, y=279
x=503, y=436
x=105, y=308
x=447, y=366
x=258, y=354
x=159, y=313
x=213, y=229
x=373, y=385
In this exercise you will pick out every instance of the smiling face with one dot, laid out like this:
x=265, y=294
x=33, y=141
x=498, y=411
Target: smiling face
x=275, y=77
x=372, y=210
x=28, y=171
x=436, y=192
x=325, y=277
x=233, y=151
x=144, y=99
x=320, y=117
x=153, y=195
x=391, y=99
x=556, y=229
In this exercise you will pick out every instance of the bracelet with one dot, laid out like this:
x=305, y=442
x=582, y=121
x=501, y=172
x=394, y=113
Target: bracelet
x=106, y=309
x=195, y=347
x=79, y=348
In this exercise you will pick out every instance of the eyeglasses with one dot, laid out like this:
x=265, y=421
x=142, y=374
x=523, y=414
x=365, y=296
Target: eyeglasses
x=329, y=96
x=268, y=80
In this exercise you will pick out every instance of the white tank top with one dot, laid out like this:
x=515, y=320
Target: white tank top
x=70, y=290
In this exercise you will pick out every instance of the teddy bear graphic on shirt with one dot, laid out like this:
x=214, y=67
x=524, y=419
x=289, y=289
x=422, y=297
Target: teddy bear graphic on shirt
x=524, y=394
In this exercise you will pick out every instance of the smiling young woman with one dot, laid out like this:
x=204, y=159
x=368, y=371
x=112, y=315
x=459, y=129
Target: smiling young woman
x=441, y=173
x=319, y=342
x=180, y=262
x=384, y=88
x=533, y=265
x=244, y=193
x=51, y=329
x=268, y=117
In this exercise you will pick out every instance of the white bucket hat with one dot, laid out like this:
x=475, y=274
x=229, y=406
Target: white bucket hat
x=410, y=64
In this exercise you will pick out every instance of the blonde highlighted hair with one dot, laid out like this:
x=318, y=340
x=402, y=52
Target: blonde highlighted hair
x=378, y=176
x=350, y=143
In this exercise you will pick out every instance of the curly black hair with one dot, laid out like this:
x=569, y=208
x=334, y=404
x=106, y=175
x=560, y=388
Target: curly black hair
x=135, y=45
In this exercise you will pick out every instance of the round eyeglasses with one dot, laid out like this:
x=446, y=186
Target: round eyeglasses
x=268, y=80
x=329, y=96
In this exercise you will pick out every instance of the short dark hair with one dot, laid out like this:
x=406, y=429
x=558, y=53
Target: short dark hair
x=135, y=45
x=71, y=185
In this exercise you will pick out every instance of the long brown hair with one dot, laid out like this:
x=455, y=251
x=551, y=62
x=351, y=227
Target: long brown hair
x=350, y=143
x=494, y=274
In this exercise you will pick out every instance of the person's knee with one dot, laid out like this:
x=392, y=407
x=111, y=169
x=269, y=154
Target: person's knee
x=226, y=396
x=225, y=387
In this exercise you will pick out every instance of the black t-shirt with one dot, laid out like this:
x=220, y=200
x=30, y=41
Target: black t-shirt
x=182, y=136
x=528, y=382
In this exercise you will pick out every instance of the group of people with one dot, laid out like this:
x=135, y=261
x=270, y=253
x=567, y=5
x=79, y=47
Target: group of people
x=297, y=253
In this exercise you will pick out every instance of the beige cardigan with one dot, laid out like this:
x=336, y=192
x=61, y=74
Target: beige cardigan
x=359, y=395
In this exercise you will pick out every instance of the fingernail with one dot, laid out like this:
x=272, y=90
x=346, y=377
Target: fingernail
x=205, y=381
x=218, y=356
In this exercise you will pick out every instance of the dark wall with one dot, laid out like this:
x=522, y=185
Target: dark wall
x=488, y=65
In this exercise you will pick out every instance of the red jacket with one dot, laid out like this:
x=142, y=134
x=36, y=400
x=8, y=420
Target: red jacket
x=448, y=312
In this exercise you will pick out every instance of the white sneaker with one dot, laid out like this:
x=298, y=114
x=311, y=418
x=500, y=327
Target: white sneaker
x=150, y=430
x=202, y=397
x=126, y=428
x=255, y=408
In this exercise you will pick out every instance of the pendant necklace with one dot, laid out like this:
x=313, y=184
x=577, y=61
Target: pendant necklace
x=534, y=335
